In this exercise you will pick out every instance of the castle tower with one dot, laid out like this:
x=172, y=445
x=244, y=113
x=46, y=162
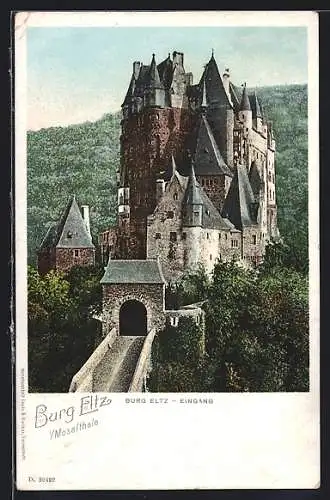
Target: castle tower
x=153, y=128
x=220, y=113
x=245, y=111
x=257, y=117
x=68, y=242
x=154, y=89
x=193, y=210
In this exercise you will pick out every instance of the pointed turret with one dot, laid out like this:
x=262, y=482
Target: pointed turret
x=245, y=111
x=258, y=112
x=154, y=89
x=153, y=78
x=245, y=101
x=193, y=214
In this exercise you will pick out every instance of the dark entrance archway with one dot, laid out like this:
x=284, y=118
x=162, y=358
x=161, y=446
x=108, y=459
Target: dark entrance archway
x=132, y=319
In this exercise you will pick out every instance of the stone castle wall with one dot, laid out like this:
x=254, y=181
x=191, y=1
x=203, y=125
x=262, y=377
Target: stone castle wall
x=152, y=296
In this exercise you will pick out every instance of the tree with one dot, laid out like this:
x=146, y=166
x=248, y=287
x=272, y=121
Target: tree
x=62, y=331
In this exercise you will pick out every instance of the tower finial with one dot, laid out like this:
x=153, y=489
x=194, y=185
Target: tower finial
x=212, y=53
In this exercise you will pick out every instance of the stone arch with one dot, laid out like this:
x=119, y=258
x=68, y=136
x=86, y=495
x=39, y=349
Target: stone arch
x=133, y=318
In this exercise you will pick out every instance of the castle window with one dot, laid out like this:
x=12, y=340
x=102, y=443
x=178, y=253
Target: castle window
x=207, y=236
x=184, y=236
x=234, y=243
x=226, y=236
x=69, y=234
x=196, y=214
x=175, y=196
x=207, y=212
x=170, y=214
x=254, y=239
x=158, y=236
x=173, y=236
x=219, y=236
x=76, y=253
x=210, y=256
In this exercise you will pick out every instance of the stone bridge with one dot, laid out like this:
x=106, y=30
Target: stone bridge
x=133, y=312
x=119, y=364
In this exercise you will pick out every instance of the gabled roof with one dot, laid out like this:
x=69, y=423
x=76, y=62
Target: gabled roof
x=240, y=200
x=208, y=159
x=70, y=231
x=211, y=217
x=245, y=102
x=133, y=271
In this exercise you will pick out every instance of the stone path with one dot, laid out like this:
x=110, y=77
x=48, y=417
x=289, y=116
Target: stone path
x=115, y=371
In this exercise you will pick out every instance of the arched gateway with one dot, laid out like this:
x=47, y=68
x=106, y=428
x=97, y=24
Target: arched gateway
x=133, y=297
x=133, y=319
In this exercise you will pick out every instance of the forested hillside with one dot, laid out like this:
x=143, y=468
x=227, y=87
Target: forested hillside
x=83, y=159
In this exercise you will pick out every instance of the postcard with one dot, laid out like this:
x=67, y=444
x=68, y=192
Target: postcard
x=166, y=250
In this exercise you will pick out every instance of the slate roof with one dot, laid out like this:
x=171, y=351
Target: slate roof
x=130, y=92
x=234, y=96
x=245, y=101
x=208, y=159
x=215, y=90
x=165, y=70
x=255, y=106
x=240, y=200
x=70, y=231
x=193, y=190
x=152, y=79
x=133, y=271
x=211, y=217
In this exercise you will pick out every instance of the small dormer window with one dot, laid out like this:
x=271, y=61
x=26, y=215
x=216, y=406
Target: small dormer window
x=69, y=234
x=207, y=212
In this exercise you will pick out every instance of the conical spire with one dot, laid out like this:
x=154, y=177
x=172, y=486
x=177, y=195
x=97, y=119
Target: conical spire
x=258, y=108
x=245, y=101
x=153, y=79
x=193, y=189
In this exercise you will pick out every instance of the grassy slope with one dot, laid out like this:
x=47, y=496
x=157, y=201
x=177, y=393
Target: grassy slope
x=83, y=159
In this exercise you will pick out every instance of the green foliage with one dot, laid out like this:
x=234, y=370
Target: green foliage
x=83, y=159
x=61, y=330
x=256, y=335
x=191, y=288
x=279, y=254
x=177, y=358
x=79, y=159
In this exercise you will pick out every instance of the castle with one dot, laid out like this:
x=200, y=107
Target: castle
x=197, y=173
x=196, y=185
x=196, y=182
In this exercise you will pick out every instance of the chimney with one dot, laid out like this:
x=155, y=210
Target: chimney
x=85, y=214
x=136, y=69
x=178, y=58
x=160, y=189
